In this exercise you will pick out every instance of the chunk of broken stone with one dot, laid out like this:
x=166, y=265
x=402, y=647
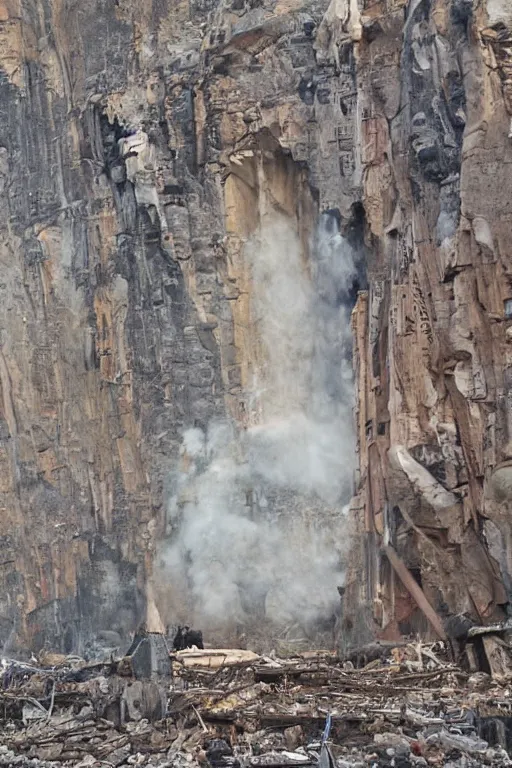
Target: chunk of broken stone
x=149, y=656
x=395, y=740
x=217, y=750
x=143, y=699
x=468, y=744
x=293, y=736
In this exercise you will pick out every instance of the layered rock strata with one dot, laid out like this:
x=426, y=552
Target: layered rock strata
x=432, y=335
x=141, y=147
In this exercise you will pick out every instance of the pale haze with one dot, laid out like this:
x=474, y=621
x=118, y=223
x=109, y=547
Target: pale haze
x=255, y=514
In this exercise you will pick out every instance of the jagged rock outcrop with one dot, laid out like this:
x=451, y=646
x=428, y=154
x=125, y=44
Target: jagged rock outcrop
x=432, y=334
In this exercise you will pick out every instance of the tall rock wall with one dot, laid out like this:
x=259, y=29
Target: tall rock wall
x=433, y=333
x=142, y=145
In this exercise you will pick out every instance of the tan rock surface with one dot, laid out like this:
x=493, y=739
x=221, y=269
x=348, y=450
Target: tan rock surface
x=142, y=145
x=432, y=334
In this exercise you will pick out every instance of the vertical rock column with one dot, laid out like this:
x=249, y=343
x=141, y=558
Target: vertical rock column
x=432, y=334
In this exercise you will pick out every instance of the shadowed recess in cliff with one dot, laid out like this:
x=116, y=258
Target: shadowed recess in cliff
x=256, y=529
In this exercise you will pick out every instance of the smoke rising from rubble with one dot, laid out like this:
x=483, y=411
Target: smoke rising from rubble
x=256, y=513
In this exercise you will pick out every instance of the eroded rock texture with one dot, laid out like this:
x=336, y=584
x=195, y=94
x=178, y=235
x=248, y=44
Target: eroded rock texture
x=433, y=333
x=141, y=145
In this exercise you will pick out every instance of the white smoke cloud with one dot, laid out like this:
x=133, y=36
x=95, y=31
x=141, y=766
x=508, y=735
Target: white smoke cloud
x=256, y=515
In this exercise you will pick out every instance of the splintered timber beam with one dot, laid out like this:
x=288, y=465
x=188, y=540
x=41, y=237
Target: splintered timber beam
x=414, y=590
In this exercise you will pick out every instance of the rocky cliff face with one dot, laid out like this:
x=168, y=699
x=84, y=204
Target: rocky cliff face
x=150, y=154
x=432, y=335
x=143, y=145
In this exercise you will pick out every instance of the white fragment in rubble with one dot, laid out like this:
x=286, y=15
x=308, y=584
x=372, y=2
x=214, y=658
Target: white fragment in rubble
x=30, y=713
x=103, y=684
x=218, y=657
x=295, y=757
x=454, y=741
x=87, y=761
x=291, y=758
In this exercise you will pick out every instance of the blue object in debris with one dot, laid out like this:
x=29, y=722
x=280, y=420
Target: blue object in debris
x=327, y=728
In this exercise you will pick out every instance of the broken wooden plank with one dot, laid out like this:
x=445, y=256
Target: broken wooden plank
x=216, y=657
x=274, y=674
x=415, y=590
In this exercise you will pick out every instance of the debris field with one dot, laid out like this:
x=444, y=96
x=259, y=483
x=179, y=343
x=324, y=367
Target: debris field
x=409, y=706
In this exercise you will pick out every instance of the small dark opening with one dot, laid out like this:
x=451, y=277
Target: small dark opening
x=69, y=640
x=481, y=656
x=416, y=574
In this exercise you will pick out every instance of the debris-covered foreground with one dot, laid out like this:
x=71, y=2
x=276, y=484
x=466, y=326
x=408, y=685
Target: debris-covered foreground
x=234, y=708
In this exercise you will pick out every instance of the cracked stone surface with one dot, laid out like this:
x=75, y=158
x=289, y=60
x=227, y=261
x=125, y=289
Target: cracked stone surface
x=432, y=333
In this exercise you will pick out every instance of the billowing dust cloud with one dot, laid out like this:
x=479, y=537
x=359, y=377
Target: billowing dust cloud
x=257, y=530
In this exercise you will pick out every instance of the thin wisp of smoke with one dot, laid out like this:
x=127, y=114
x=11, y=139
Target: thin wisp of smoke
x=256, y=512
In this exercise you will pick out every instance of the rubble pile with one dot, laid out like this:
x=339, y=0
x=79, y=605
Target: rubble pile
x=409, y=705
